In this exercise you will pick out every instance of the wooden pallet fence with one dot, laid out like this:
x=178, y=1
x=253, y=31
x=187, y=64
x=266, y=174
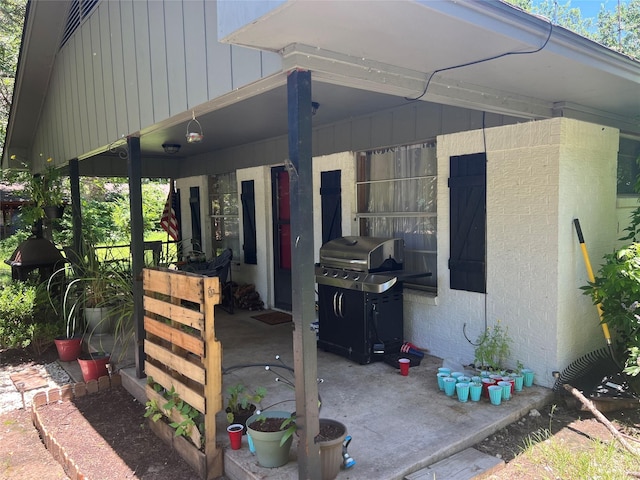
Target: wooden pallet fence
x=182, y=354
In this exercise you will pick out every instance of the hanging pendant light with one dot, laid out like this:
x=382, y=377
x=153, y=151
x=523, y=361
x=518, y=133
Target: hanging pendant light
x=194, y=130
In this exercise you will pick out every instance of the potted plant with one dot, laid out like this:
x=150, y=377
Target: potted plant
x=94, y=365
x=47, y=194
x=242, y=403
x=64, y=303
x=271, y=434
x=493, y=346
x=330, y=439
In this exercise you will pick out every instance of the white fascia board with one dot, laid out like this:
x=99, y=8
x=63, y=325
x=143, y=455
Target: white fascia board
x=362, y=73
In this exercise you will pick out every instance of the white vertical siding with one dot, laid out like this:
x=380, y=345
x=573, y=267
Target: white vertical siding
x=195, y=53
x=135, y=63
x=159, y=64
x=143, y=62
x=106, y=72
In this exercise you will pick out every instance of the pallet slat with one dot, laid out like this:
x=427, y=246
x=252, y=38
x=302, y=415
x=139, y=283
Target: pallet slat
x=187, y=394
x=185, y=316
x=173, y=414
x=174, y=362
x=182, y=285
x=175, y=336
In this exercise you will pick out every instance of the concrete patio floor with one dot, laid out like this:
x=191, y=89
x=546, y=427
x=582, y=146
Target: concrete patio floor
x=398, y=424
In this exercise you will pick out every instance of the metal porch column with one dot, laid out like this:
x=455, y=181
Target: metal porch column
x=134, y=166
x=302, y=275
x=76, y=209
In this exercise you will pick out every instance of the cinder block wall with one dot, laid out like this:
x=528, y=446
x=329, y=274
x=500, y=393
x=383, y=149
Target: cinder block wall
x=540, y=175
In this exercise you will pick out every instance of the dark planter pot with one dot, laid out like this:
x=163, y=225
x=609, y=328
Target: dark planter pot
x=94, y=366
x=331, y=449
x=69, y=349
x=53, y=211
x=242, y=417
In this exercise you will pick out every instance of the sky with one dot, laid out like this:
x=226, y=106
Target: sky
x=590, y=8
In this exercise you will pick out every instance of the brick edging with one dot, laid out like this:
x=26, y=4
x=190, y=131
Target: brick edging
x=67, y=393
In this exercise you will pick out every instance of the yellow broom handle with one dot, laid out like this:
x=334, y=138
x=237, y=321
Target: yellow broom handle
x=592, y=279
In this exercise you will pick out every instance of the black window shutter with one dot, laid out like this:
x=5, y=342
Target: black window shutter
x=196, y=224
x=467, y=197
x=331, y=205
x=248, y=199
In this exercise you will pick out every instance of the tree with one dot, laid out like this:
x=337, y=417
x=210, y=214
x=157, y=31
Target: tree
x=618, y=30
x=12, y=14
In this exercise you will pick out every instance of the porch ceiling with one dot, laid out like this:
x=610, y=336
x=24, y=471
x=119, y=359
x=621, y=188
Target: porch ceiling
x=365, y=57
x=394, y=46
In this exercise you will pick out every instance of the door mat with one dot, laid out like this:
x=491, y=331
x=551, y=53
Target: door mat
x=273, y=318
x=28, y=380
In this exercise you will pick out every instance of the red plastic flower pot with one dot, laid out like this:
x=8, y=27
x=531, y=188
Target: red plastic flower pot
x=69, y=349
x=94, y=366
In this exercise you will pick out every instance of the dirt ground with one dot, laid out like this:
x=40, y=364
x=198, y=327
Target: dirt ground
x=126, y=448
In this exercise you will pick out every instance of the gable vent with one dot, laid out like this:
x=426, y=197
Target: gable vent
x=78, y=12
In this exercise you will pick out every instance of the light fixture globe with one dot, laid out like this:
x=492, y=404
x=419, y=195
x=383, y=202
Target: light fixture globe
x=194, y=130
x=171, y=148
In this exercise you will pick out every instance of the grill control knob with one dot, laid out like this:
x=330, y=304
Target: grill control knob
x=345, y=276
x=356, y=276
x=335, y=274
x=325, y=272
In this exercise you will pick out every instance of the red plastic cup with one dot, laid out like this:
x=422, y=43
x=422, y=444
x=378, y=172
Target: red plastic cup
x=404, y=366
x=235, y=435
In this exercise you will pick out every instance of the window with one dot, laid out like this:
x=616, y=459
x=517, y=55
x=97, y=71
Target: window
x=628, y=169
x=223, y=201
x=396, y=197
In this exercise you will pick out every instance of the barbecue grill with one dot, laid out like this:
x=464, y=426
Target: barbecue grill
x=360, y=308
x=35, y=253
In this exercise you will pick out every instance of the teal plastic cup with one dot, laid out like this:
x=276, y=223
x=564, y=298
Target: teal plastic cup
x=528, y=377
x=449, y=386
x=506, y=390
x=444, y=370
x=475, y=391
x=518, y=381
x=495, y=394
x=462, y=390
x=464, y=379
x=456, y=374
x=441, y=377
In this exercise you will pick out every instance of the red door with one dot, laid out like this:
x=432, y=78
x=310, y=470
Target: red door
x=281, y=207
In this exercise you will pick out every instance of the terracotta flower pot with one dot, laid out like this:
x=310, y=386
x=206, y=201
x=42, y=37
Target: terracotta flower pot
x=94, y=366
x=69, y=349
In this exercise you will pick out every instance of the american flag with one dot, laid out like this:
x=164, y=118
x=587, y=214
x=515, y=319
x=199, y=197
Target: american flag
x=169, y=221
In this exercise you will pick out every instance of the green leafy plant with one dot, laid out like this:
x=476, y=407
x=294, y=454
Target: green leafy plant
x=189, y=414
x=290, y=427
x=240, y=399
x=493, y=347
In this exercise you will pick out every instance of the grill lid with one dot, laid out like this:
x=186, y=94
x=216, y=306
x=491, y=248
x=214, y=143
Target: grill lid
x=35, y=251
x=363, y=254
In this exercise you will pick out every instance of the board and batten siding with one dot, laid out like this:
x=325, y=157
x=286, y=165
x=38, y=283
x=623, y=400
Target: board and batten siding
x=413, y=122
x=133, y=64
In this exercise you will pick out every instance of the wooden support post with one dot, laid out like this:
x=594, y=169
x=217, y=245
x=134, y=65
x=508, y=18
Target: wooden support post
x=213, y=380
x=134, y=166
x=302, y=274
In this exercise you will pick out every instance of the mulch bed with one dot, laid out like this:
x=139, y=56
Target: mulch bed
x=106, y=435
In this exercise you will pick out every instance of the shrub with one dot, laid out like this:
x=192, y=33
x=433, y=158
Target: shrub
x=24, y=322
